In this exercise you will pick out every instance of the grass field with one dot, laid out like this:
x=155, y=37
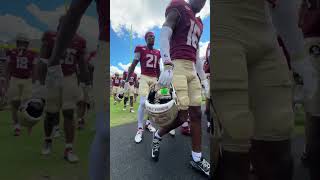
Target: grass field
x=118, y=116
x=20, y=157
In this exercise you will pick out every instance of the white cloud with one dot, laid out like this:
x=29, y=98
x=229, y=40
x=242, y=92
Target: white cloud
x=114, y=69
x=89, y=28
x=126, y=66
x=143, y=15
x=12, y=25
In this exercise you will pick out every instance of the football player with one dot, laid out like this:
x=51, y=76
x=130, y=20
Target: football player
x=21, y=71
x=83, y=106
x=179, y=47
x=252, y=92
x=66, y=97
x=129, y=80
x=309, y=20
x=116, y=81
x=99, y=149
x=149, y=58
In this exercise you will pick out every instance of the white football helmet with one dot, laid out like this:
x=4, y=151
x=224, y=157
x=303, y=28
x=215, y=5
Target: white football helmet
x=161, y=105
x=120, y=95
x=31, y=112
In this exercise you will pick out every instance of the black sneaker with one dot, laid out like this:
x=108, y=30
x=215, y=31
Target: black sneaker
x=202, y=166
x=155, y=148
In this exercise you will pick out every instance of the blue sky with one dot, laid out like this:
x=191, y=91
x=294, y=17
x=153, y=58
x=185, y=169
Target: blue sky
x=120, y=54
x=35, y=16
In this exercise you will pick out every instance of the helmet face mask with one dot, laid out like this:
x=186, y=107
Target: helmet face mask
x=31, y=112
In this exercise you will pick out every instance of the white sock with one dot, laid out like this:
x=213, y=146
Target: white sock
x=208, y=124
x=196, y=156
x=185, y=124
x=141, y=112
x=148, y=122
x=157, y=135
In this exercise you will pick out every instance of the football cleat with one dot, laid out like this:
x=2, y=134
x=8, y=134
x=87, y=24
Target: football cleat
x=155, y=152
x=56, y=132
x=17, y=132
x=70, y=156
x=47, y=146
x=131, y=110
x=138, y=137
x=150, y=128
x=202, y=166
x=172, y=132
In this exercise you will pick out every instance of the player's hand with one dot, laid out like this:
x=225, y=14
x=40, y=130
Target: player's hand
x=307, y=72
x=205, y=84
x=54, y=77
x=166, y=76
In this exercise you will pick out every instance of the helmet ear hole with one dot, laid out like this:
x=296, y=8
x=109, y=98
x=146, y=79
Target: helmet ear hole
x=35, y=109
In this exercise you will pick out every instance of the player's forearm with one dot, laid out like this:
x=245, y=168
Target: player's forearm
x=130, y=71
x=165, y=36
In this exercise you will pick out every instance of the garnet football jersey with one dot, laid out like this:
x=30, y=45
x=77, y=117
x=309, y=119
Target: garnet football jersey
x=116, y=81
x=149, y=60
x=21, y=63
x=131, y=79
x=72, y=54
x=185, y=38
